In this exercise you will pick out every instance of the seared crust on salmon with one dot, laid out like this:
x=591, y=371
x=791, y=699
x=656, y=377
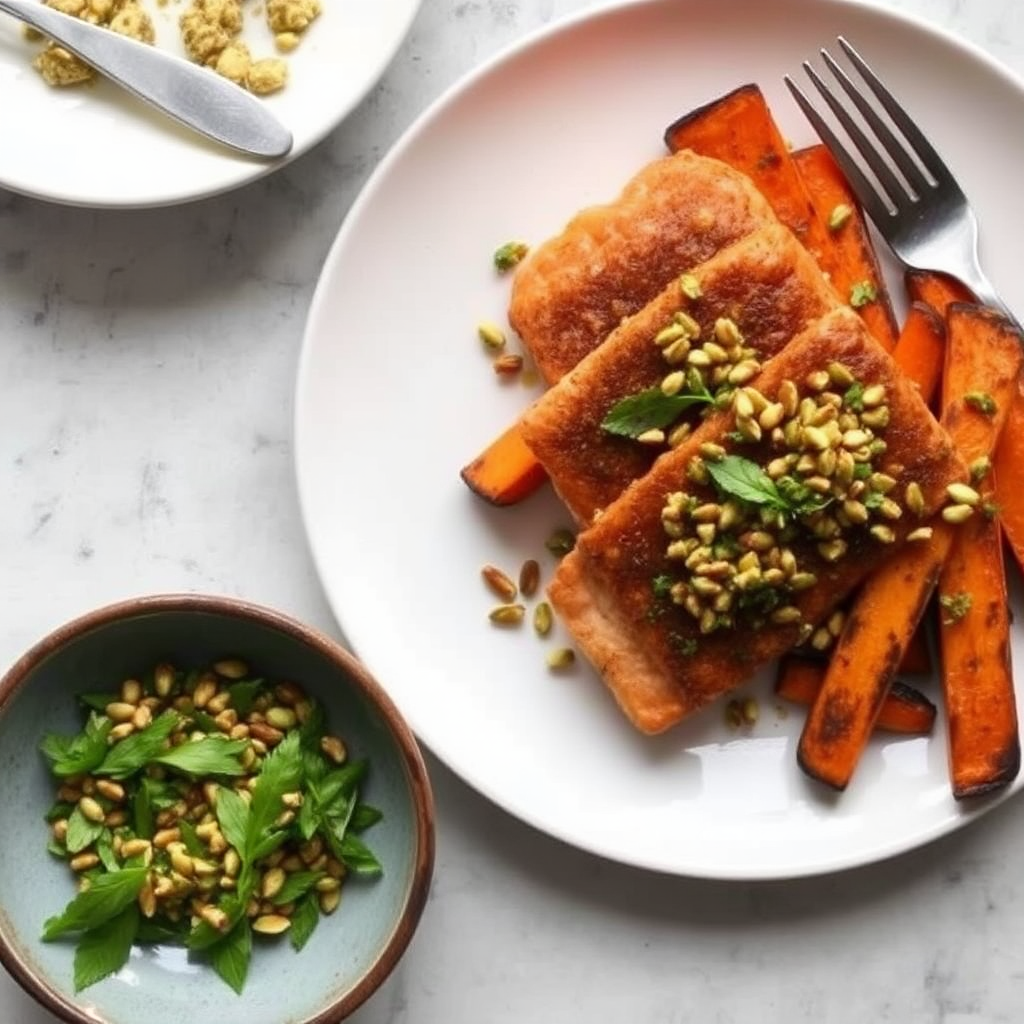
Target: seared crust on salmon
x=767, y=283
x=611, y=260
x=656, y=660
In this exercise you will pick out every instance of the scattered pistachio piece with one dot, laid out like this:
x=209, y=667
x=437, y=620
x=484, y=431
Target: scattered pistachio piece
x=491, y=335
x=839, y=215
x=561, y=657
x=509, y=255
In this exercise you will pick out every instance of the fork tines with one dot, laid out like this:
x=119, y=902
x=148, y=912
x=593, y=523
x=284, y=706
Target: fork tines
x=912, y=155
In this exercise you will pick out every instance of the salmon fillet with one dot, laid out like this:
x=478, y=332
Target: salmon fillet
x=623, y=595
x=767, y=283
x=611, y=260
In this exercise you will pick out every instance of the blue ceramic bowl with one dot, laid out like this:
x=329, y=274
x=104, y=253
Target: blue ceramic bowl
x=351, y=951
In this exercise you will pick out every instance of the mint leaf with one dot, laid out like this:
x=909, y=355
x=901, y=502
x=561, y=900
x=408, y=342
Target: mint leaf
x=105, y=950
x=73, y=755
x=743, y=479
x=304, y=921
x=212, y=755
x=137, y=750
x=230, y=957
x=108, y=895
x=81, y=831
x=648, y=410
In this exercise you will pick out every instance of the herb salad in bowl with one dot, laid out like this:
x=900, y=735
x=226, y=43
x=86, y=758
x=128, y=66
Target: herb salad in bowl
x=205, y=791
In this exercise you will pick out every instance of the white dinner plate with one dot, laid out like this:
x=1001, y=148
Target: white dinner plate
x=98, y=146
x=395, y=395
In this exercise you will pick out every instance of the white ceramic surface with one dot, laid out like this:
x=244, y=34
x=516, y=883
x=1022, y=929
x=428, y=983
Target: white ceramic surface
x=98, y=146
x=394, y=396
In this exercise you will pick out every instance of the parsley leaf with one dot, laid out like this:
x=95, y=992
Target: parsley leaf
x=297, y=884
x=212, y=755
x=357, y=856
x=661, y=585
x=137, y=750
x=104, y=950
x=648, y=410
x=233, y=817
x=108, y=895
x=230, y=957
x=81, y=831
x=73, y=755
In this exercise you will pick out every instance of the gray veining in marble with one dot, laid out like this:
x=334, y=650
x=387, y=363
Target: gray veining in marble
x=146, y=368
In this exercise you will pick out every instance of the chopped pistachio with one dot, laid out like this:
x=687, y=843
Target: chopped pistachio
x=509, y=255
x=862, y=293
x=981, y=401
x=839, y=215
x=956, y=606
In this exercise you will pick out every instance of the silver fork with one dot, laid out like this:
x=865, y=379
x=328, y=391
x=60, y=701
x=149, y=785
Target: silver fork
x=925, y=217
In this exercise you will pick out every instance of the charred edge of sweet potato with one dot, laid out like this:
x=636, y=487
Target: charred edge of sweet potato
x=696, y=113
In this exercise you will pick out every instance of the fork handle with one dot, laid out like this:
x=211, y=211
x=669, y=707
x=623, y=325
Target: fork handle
x=985, y=293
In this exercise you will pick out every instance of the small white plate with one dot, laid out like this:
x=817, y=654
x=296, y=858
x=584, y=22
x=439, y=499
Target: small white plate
x=395, y=396
x=98, y=146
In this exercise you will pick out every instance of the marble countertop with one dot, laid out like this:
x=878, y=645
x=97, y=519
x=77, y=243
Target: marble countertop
x=147, y=361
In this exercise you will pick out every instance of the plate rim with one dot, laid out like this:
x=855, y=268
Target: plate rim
x=249, y=169
x=879, y=851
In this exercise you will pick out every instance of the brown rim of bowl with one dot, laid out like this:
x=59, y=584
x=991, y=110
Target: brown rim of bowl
x=412, y=758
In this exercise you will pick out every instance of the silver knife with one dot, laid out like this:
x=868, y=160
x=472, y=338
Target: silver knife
x=195, y=96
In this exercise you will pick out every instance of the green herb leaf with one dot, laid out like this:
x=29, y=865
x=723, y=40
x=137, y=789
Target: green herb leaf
x=244, y=693
x=648, y=410
x=98, y=701
x=205, y=936
x=661, y=585
x=57, y=849
x=233, y=818
x=188, y=836
x=105, y=950
x=230, y=957
x=142, y=810
x=212, y=755
x=81, y=831
x=297, y=884
x=108, y=895
x=139, y=749
x=59, y=809
x=743, y=479
x=363, y=817
x=281, y=773
x=105, y=850
x=73, y=755
x=304, y=921
x=358, y=857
